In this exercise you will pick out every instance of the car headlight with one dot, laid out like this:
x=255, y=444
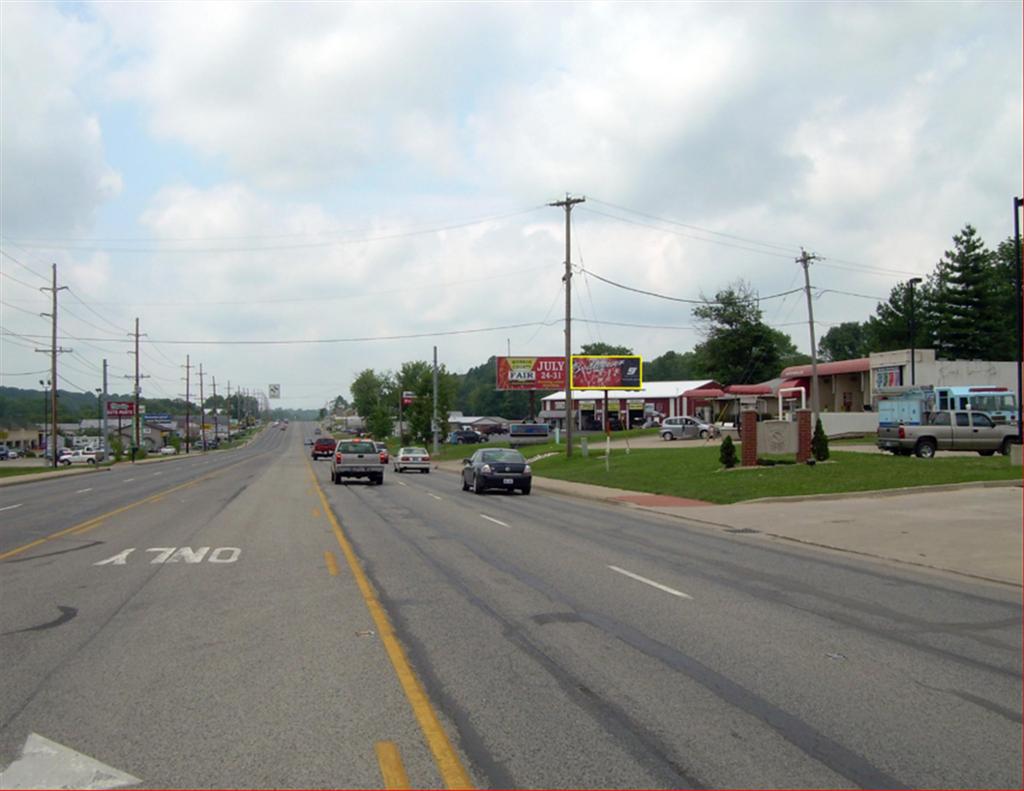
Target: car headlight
x=486, y=469
x=527, y=470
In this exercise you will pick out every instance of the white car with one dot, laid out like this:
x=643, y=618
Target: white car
x=412, y=459
x=686, y=428
x=168, y=450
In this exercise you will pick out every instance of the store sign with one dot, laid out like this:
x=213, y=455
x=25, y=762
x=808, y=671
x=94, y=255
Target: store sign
x=408, y=396
x=120, y=409
x=888, y=376
x=530, y=373
x=635, y=405
x=598, y=372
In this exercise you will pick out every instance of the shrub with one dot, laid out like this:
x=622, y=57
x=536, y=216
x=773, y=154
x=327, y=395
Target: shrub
x=819, y=443
x=727, y=453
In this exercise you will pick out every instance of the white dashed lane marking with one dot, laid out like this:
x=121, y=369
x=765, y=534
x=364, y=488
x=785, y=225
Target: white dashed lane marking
x=10, y=507
x=83, y=491
x=652, y=583
x=492, y=519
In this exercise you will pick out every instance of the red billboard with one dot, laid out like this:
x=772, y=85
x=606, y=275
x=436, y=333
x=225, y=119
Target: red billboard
x=531, y=373
x=600, y=372
x=120, y=409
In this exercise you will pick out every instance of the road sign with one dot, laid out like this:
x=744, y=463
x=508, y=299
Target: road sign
x=275, y=391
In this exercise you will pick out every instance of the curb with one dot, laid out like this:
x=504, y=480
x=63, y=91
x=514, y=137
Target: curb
x=51, y=476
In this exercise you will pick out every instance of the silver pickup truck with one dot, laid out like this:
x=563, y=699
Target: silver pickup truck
x=358, y=459
x=948, y=430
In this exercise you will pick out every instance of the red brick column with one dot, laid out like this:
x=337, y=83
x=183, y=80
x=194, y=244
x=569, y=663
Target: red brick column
x=803, y=435
x=748, y=440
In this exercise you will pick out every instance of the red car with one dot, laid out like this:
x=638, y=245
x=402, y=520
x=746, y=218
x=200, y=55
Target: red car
x=323, y=447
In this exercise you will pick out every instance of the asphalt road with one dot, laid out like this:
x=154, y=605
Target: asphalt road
x=205, y=629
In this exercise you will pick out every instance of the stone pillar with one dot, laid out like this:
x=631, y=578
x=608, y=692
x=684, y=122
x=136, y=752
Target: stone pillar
x=748, y=438
x=803, y=435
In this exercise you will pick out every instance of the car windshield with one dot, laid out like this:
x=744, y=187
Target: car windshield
x=413, y=452
x=356, y=447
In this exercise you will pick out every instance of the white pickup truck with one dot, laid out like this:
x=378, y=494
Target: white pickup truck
x=948, y=430
x=358, y=459
x=79, y=456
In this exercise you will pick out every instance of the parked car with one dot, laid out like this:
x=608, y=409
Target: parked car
x=465, y=437
x=412, y=459
x=686, y=428
x=308, y=441
x=357, y=459
x=168, y=450
x=323, y=448
x=496, y=468
x=382, y=449
x=5, y=453
x=13, y=453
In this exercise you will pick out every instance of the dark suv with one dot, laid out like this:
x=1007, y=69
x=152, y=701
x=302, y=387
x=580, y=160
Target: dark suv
x=323, y=447
x=465, y=437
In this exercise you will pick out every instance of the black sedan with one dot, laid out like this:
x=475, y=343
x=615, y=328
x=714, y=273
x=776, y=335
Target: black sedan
x=496, y=468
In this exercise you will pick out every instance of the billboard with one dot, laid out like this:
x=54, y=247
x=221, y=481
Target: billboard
x=120, y=409
x=601, y=372
x=531, y=373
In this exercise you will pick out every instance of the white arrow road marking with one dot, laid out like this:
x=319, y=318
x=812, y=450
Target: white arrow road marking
x=120, y=559
x=83, y=491
x=9, y=507
x=401, y=483
x=492, y=519
x=46, y=764
x=434, y=495
x=652, y=583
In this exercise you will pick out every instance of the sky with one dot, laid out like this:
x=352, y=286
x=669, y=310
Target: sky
x=290, y=193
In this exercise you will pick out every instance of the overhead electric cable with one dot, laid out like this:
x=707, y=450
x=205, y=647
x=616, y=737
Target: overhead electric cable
x=683, y=299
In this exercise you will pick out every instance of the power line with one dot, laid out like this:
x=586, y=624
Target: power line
x=685, y=299
x=271, y=248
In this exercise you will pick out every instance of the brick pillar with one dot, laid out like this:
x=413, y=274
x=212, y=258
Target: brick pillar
x=803, y=435
x=748, y=443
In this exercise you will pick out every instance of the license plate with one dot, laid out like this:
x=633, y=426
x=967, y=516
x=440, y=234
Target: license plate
x=508, y=481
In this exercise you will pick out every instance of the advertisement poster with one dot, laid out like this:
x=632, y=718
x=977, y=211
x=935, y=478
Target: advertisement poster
x=531, y=373
x=598, y=372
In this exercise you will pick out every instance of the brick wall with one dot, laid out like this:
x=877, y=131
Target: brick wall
x=748, y=446
x=803, y=437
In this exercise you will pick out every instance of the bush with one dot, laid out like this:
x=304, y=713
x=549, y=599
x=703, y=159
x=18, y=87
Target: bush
x=819, y=443
x=727, y=453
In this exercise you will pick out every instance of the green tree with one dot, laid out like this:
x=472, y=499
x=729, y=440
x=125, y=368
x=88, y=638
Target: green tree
x=727, y=453
x=380, y=422
x=738, y=347
x=605, y=348
x=674, y=367
x=368, y=391
x=846, y=341
x=819, y=443
x=967, y=303
x=419, y=414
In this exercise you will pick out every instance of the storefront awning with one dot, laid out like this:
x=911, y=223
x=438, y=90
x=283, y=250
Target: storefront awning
x=748, y=390
x=804, y=383
x=706, y=392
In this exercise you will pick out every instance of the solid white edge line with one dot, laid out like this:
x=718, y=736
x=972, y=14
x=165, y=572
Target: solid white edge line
x=652, y=583
x=9, y=507
x=492, y=519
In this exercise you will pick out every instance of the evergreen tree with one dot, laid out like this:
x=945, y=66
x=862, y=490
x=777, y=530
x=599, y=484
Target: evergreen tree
x=727, y=453
x=967, y=306
x=819, y=443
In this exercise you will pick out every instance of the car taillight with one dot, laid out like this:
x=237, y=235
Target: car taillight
x=404, y=458
x=337, y=457
x=383, y=457
x=426, y=458
x=902, y=434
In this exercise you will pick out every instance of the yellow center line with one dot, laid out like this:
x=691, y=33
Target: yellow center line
x=96, y=521
x=332, y=563
x=391, y=767
x=453, y=773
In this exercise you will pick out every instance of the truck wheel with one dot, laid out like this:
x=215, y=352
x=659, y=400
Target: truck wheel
x=986, y=452
x=1005, y=447
x=380, y=479
x=925, y=449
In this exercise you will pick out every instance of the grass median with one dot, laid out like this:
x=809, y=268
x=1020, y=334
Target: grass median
x=696, y=473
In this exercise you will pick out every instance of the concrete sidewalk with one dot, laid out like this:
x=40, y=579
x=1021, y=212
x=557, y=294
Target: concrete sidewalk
x=968, y=529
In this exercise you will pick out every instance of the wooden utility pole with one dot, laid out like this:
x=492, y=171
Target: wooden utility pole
x=567, y=204
x=188, y=405
x=54, y=350
x=805, y=260
x=202, y=411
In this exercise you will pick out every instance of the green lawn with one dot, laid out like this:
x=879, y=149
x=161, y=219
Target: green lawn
x=696, y=473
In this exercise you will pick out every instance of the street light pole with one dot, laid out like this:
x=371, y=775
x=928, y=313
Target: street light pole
x=913, y=332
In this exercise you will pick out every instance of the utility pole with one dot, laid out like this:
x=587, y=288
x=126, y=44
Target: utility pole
x=567, y=204
x=54, y=350
x=215, y=409
x=104, y=439
x=202, y=411
x=228, y=411
x=433, y=422
x=805, y=260
x=188, y=405
x=1018, y=204
x=137, y=434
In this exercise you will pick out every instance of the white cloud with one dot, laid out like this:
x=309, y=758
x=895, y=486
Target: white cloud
x=55, y=174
